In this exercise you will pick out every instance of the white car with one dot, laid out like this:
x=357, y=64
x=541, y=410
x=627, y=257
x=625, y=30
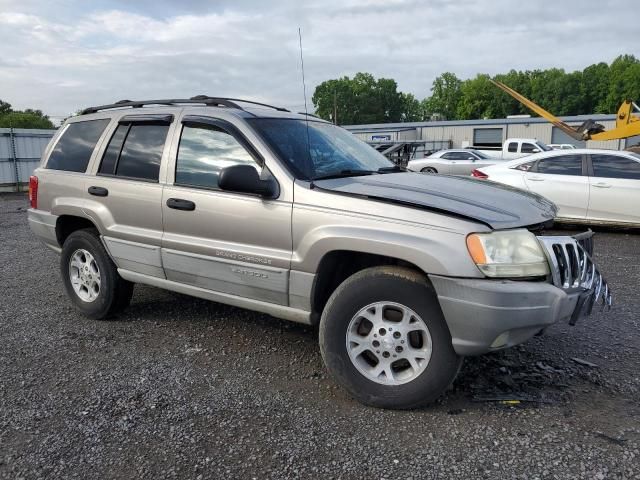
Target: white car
x=453, y=162
x=588, y=185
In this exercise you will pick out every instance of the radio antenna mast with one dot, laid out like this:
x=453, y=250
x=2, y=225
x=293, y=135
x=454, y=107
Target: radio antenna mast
x=306, y=112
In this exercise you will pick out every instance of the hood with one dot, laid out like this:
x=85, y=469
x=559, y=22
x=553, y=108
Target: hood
x=496, y=205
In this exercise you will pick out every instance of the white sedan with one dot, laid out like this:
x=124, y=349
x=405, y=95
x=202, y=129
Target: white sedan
x=588, y=185
x=453, y=162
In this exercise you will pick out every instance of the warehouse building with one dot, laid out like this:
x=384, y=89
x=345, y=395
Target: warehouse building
x=426, y=137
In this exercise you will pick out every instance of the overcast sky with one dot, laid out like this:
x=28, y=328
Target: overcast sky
x=62, y=55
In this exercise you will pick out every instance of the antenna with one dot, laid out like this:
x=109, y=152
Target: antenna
x=304, y=91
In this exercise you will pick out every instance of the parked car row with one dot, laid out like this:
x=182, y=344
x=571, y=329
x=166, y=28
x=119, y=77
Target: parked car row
x=587, y=185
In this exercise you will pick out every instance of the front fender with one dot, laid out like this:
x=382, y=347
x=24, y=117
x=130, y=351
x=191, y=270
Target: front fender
x=432, y=251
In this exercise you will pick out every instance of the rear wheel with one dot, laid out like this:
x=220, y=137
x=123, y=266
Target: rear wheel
x=91, y=278
x=429, y=170
x=383, y=337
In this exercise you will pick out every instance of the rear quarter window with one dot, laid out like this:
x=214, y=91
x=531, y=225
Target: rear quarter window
x=73, y=150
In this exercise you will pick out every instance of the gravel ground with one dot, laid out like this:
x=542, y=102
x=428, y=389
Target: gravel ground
x=183, y=388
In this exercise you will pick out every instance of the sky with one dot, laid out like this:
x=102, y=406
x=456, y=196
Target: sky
x=63, y=55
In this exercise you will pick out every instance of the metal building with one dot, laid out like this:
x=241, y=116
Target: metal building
x=20, y=152
x=481, y=133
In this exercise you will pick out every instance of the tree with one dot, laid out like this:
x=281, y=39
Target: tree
x=445, y=95
x=624, y=82
x=363, y=99
x=412, y=110
x=28, y=118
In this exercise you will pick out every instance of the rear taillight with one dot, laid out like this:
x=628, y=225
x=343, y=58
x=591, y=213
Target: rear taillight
x=33, y=191
x=479, y=174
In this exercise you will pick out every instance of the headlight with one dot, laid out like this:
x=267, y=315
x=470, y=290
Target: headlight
x=510, y=253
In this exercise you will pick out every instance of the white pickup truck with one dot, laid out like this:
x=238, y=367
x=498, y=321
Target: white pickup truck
x=516, y=148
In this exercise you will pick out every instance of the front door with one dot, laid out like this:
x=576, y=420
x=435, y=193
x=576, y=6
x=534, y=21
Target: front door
x=615, y=189
x=561, y=179
x=228, y=242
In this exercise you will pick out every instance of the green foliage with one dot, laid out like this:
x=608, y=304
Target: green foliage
x=599, y=88
x=363, y=99
x=28, y=118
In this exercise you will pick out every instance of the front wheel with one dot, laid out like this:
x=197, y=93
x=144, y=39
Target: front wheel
x=383, y=337
x=429, y=170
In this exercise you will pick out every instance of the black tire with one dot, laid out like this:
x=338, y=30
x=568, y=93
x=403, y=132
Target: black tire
x=429, y=170
x=402, y=286
x=114, y=294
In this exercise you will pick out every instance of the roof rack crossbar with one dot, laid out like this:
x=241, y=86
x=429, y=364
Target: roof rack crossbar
x=198, y=99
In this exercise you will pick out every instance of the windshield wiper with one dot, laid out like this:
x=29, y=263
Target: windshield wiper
x=345, y=173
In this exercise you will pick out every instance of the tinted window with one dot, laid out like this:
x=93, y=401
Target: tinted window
x=73, y=151
x=203, y=152
x=448, y=156
x=529, y=148
x=564, y=165
x=112, y=152
x=613, y=166
x=142, y=152
x=513, y=147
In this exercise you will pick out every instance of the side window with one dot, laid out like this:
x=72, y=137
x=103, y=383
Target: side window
x=140, y=154
x=448, y=156
x=513, y=147
x=203, y=152
x=73, y=150
x=561, y=165
x=613, y=166
x=528, y=148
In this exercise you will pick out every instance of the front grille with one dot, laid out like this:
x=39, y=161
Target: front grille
x=572, y=267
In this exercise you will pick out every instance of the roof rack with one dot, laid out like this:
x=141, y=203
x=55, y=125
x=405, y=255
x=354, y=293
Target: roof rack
x=198, y=99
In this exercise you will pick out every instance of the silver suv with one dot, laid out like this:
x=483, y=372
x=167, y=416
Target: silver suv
x=292, y=216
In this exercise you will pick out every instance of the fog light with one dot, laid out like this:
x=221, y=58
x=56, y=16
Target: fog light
x=501, y=340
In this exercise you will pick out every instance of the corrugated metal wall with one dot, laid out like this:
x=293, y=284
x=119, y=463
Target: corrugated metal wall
x=20, y=152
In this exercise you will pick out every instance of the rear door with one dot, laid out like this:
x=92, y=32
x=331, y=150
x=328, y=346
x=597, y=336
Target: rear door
x=233, y=243
x=614, y=188
x=562, y=179
x=125, y=194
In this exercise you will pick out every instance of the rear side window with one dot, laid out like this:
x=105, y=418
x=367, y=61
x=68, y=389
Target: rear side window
x=73, y=151
x=562, y=165
x=135, y=151
x=513, y=147
x=613, y=166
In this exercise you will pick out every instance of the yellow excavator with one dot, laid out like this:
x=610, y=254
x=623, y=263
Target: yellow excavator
x=627, y=120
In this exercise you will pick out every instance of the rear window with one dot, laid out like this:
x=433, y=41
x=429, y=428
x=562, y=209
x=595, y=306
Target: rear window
x=73, y=151
x=140, y=156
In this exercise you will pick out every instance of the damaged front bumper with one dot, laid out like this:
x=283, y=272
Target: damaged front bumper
x=486, y=314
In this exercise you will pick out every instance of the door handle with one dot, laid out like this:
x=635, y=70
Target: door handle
x=180, y=204
x=98, y=191
x=602, y=185
x=536, y=179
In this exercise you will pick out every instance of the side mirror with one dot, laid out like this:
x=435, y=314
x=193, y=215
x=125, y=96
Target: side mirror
x=535, y=150
x=245, y=179
x=473, y=159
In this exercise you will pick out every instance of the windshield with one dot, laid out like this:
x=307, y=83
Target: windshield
x=329, y=150
x=544, y=147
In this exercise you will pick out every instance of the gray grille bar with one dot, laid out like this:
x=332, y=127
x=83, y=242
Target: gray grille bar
x=572, y=268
